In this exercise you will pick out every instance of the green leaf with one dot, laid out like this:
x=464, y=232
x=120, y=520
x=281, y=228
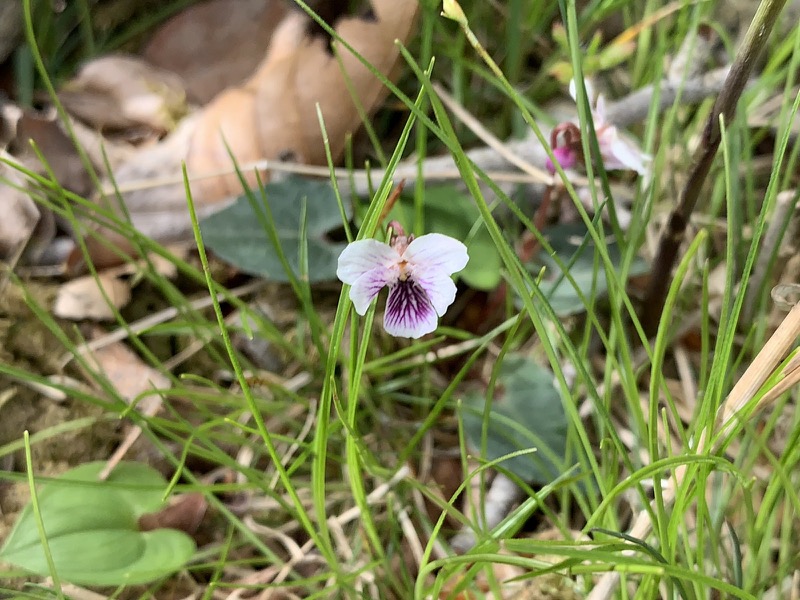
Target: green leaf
x=575, y=248
x=526, y=413
x=92, y=531
x=453, y=213
x=237, y=234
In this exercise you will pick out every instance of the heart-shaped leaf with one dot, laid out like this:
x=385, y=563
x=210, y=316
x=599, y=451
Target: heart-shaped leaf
x=92, y=530
x=576, y=250
x=526, y=413
x=239, y=235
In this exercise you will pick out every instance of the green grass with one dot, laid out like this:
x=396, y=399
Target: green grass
x=320, y=455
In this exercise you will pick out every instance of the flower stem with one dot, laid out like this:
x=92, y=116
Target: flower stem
x=673, y=235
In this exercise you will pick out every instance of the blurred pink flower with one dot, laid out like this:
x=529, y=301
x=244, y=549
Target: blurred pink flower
x=417, y=272
x=565, y=156
x=619, y=151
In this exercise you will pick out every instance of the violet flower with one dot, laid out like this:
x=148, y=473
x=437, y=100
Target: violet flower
x=617, y=150
x=570, y=152
x=417, y=272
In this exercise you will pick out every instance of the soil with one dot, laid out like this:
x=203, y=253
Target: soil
x=28, y=345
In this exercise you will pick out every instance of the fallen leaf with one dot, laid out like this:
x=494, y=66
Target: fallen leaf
x=184, y=513
x=121, y=93
x=45, y=132
x=134, y=381
x=10, y=27
x=237, y=235
x=114, y=256
x=10, y=114
x=105, y=254
x=159, y=213
x=271, y=116
x=298, y=74
x=20, y=213
x=216, y=63
x=82, y=298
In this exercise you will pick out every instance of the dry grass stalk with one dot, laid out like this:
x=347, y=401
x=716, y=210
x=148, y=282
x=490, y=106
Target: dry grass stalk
x=735, y=406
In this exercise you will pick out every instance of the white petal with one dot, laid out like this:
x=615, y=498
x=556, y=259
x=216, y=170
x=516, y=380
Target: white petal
x=599, y=112
x=363, y=256
x=366, y=287
x=409, y=312
x=436, y=251
x=622, y=153
x=573, y=91
x=438, y=286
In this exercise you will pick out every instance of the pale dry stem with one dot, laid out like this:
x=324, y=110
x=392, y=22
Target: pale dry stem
x=728, y=416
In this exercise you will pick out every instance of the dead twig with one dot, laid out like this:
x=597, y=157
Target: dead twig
x=724, y=109
x=628, y=110
x=488, y=138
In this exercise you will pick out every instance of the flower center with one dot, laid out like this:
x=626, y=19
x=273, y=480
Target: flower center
x=405, y=271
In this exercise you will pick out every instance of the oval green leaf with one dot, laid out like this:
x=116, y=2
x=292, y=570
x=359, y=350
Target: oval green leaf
x=92, y=531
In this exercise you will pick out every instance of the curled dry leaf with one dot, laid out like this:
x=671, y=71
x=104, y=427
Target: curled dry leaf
x=217, y=63
x=23, y=221
x=281, y=97
x=10, y=114
x=82, y=298
x=184, y=513
x=10, y=27
x=273, y=115
x=44, y=130
x=133, y=380
x=20, y=215
x=158, y=213
x=125, y=92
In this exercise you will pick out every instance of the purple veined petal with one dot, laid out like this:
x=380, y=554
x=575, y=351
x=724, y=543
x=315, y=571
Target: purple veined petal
x=366, y=287
x=438, y=287
x=363, y=256
x=436, y=251
x=409, y=312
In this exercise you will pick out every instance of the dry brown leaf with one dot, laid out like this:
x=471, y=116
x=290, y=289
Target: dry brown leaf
x=184, y=513
x=218, y=62
x=134, y=381
x=44, y=130
x=160, y=214
x=10, y=27
x=272, y=116
x=233, y=113
x=20, y=215
x=105, y=254
x=10, y=114
x=82, y=298
x=125, y=93
x=299, y=73
x=125, y=370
